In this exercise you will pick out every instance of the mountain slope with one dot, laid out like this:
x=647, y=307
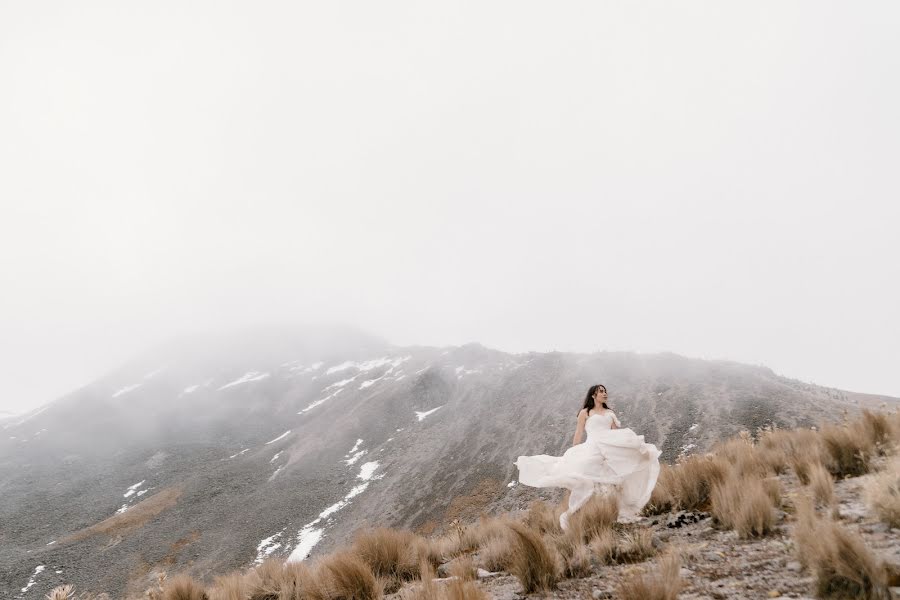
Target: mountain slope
x=208, y=455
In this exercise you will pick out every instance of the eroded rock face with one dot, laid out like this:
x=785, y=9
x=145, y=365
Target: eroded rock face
x=287, y=446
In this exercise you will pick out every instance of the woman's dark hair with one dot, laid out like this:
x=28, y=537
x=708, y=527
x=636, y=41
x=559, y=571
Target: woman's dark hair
x=589, y=399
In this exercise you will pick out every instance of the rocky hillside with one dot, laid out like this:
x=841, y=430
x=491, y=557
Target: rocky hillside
x=206, y=456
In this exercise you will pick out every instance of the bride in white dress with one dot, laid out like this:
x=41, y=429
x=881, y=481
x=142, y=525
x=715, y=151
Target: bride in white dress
x=611, y=456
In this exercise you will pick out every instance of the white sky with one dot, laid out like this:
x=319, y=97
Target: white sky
x=717, y=179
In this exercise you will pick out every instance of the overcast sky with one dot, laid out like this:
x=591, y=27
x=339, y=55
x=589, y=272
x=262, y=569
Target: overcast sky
x=716, y=179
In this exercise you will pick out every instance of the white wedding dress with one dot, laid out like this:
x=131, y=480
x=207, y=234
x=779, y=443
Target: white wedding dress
x=617, y=458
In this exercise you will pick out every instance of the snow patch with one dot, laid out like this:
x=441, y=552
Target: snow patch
x=356, y=457
x=154, y=373
x=132, y=489
x=277, y=454
x=126, y=389
x=282, y=436
x=511, y=484
x=694, y=426
x=340, y=384
x=31, y=581
x=239, y=453
x=191, y=389
x=421, y=415
x=267, y=547
x=246, y=378
x=318, y=402
x=308, y=537
x=367, y=470
x=355, y=446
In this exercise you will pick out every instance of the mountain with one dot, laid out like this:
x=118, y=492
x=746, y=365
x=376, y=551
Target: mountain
x=208, y=454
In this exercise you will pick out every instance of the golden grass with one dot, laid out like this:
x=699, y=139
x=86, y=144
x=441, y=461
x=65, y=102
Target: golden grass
x=183, y=587
x=743, y=504
x=61, y=592
x=578, y=563
x=345, y=576
x=693, y=480
x=494, y=554
x=599, y=513
x=882, y=493
x=542, y=517
x=840, y=562
x=604, y=547
x=531, y=561
x=232, y=586
x=634, y=546
x=463, y=567
x=662, y=499
x=391, y=553
x=821, y=485
x=662, y=584
x=849, y=449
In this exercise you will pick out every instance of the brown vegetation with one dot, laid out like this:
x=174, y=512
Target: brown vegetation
x=662, y=584
x=531, y=561
x=134, y=517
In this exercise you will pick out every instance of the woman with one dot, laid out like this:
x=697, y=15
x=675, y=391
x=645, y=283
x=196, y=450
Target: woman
x=611, y=456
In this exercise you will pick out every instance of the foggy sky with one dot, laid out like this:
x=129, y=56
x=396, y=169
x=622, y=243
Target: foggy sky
x=716, y=179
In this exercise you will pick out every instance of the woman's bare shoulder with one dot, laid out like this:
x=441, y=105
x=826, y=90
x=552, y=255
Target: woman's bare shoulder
x=583, y=413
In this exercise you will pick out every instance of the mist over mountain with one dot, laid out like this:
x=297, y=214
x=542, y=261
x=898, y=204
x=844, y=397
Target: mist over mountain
x=212, y=452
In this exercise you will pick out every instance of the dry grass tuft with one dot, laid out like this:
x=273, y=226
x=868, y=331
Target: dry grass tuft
x=391, y=553
x=604, y=547
x=345, y=576
x=61, y=592
x=635, y=546
x=183, y=587
x=662, y=499
x=849, y=449
x=821, y=485
x=463, y=567
x=743, y=504
x=232, y=586
x=598, y=514
x=664, y=584
x=842, y=565
x=882, y=493
x=542, y=518
x=481, y=532
x=494, y=554
x=578, y=563
x=531, y=561
x=694, y=478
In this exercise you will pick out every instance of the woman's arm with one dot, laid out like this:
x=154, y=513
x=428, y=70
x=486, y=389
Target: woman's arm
x=615, y=422
x=579, y=428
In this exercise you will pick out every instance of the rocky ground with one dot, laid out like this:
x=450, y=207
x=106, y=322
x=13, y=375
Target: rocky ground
x=716, y=564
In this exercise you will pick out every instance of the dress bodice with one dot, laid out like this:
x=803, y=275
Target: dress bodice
x=597, y=423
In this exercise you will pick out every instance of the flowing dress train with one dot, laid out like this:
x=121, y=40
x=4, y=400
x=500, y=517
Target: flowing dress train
x=608, y=458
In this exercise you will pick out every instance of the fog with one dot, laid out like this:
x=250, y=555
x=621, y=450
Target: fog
x=714, y=179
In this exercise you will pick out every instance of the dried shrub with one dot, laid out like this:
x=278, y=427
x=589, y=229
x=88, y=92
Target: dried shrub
x=578, y=563
x=604, y=547
x=662, y=499
x=183, y=587
x=542, y=518
x=531, y=561
x=634, y=546
x=742, y=503
x=882, y=494
x=61, y=592
x=232, y=586
x=345, y=576
x=849, y=449
x=599, y=513
x=494, y=554
x=663, y=584
x=463, y=567
x=391, y=553
x=821, y=485
x=694, y=478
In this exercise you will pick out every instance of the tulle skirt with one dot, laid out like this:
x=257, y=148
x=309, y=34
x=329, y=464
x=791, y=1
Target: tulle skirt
x=615, y=460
